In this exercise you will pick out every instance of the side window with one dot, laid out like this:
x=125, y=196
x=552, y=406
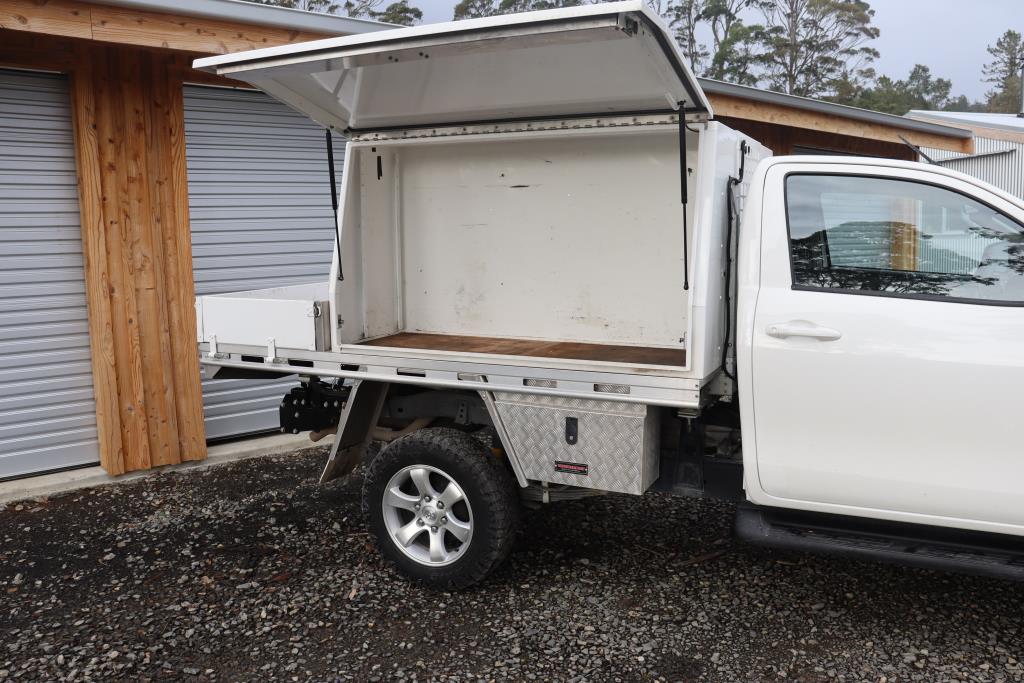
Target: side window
x=901, y=238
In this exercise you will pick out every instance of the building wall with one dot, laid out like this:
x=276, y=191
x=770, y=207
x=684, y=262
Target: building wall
x=126, y=71
x=999, y=162
x=129, y=149
x=786, y=139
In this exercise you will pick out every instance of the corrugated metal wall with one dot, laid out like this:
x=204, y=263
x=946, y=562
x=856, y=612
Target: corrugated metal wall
x=47, y=412
x=259, y=199
x=1001, y=163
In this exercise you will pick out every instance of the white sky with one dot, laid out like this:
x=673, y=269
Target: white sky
x=950, y=36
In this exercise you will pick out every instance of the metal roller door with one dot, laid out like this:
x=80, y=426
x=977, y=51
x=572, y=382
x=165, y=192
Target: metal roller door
x=260, y=208
x=47, y=411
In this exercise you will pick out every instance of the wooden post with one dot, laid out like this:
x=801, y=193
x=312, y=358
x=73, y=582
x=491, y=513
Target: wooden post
x=130, y=148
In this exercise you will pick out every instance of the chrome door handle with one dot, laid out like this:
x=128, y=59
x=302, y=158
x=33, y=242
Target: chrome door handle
x=802, y=329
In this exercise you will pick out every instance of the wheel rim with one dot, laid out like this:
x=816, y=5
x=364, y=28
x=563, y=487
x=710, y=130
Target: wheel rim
x=427, y=515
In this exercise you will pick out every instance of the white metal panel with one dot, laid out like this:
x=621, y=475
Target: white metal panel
x=261, y=216
x=901, y=418
x=290, y=316
x=47, y=410
x=577, y=61
x=571, y=239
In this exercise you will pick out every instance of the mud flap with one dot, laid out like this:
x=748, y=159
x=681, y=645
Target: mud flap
x=355, y=428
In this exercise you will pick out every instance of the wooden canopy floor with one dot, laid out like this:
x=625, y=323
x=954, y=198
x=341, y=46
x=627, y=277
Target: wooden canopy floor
x=608, y=353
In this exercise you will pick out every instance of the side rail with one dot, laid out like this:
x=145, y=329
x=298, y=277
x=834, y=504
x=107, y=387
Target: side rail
x=469, y=374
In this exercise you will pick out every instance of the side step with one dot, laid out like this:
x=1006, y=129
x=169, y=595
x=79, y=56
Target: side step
x=969, y=552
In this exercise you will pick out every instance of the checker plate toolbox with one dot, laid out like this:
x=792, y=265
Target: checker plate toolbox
x=605, y=445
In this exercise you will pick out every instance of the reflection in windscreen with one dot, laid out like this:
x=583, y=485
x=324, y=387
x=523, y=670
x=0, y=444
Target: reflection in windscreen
x=901, y=237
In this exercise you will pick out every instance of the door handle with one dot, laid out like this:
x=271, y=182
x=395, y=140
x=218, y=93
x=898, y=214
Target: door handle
x=803, y=329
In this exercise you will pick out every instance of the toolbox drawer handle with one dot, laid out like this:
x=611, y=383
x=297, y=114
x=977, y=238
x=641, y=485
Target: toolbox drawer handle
x=572, y=430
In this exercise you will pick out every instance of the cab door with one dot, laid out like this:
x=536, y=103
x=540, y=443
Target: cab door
x=885, y=351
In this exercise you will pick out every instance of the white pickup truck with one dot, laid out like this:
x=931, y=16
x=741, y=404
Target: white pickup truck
x=557, y=275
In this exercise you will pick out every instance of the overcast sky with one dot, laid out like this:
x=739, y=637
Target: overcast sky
x=950, y=36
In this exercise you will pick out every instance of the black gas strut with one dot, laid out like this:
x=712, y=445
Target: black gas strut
x=334, y=198
x=684, y=194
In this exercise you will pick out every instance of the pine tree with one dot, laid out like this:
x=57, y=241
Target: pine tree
x=1004, y=72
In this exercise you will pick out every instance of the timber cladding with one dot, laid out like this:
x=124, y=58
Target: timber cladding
x=130, y=148
x=127, y=69
x=75, y=19
x=128, y=117
x=128, y=114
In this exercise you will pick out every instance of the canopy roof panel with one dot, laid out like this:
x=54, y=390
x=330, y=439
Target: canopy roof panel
x=596, y=60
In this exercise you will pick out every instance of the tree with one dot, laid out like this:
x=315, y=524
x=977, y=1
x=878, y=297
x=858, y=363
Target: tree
x=1004, y=72
x=734, y=44
x=513, y=6
x=400, y=12
x=321, y=6
x=812, y=47
x=474, y=9
x=684, y=17
x=920, y=90
x=736, y=58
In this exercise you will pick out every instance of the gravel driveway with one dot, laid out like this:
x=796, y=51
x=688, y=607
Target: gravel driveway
x=251, y=571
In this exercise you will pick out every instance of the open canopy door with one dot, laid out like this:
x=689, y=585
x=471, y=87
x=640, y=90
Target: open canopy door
x=596, y=60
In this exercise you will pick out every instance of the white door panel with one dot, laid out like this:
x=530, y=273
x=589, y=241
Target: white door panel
x=899, y=414
x=879, y=404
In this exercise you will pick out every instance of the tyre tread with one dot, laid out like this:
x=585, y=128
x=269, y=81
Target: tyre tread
x=495, y=481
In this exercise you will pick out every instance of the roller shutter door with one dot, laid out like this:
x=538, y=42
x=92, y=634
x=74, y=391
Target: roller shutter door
x=259, y=201
x=47, y=411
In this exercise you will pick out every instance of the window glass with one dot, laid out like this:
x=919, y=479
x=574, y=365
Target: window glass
x=901, y=237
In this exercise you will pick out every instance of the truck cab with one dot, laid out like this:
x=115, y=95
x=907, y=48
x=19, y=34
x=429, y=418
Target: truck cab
x=880, y=325
x=556, y=275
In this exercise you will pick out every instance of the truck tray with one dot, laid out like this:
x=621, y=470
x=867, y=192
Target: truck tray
x=641, y=355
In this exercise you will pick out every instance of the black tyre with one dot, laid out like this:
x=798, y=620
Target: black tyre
x=441, y=507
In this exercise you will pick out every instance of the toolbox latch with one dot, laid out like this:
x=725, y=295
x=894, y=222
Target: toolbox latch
x=572, y=430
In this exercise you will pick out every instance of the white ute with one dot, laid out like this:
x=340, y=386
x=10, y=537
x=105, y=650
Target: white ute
x=543, y=289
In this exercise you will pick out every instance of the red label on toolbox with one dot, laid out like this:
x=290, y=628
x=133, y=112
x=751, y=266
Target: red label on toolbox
x=572, y=467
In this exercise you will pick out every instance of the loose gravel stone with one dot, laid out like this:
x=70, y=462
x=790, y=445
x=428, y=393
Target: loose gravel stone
x=253, y=572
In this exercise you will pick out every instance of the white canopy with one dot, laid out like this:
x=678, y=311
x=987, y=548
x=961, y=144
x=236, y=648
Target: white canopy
x=595, y=60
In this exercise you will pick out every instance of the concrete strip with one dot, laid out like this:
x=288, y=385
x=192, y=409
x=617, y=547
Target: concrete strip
x=87, y=477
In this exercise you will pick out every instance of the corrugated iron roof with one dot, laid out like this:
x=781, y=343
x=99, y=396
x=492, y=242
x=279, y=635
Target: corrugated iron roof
x=1010, y=122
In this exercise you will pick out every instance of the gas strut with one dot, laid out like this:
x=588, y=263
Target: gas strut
x=684, y=194
x=334, y=198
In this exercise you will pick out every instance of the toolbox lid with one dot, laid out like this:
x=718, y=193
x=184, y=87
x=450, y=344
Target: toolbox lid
x=595, y=60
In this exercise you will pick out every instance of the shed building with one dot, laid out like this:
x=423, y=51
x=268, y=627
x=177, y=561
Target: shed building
x=998, y=156
x=129, y=183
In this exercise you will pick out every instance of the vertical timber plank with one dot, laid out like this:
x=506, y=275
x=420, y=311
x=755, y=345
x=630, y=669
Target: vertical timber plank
x=97, y=280
x=110, y=94
x=163, y=222
x=146, y=259
x=179, y=287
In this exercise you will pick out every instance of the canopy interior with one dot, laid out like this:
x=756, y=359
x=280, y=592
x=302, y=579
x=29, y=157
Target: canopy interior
x=597, y=60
